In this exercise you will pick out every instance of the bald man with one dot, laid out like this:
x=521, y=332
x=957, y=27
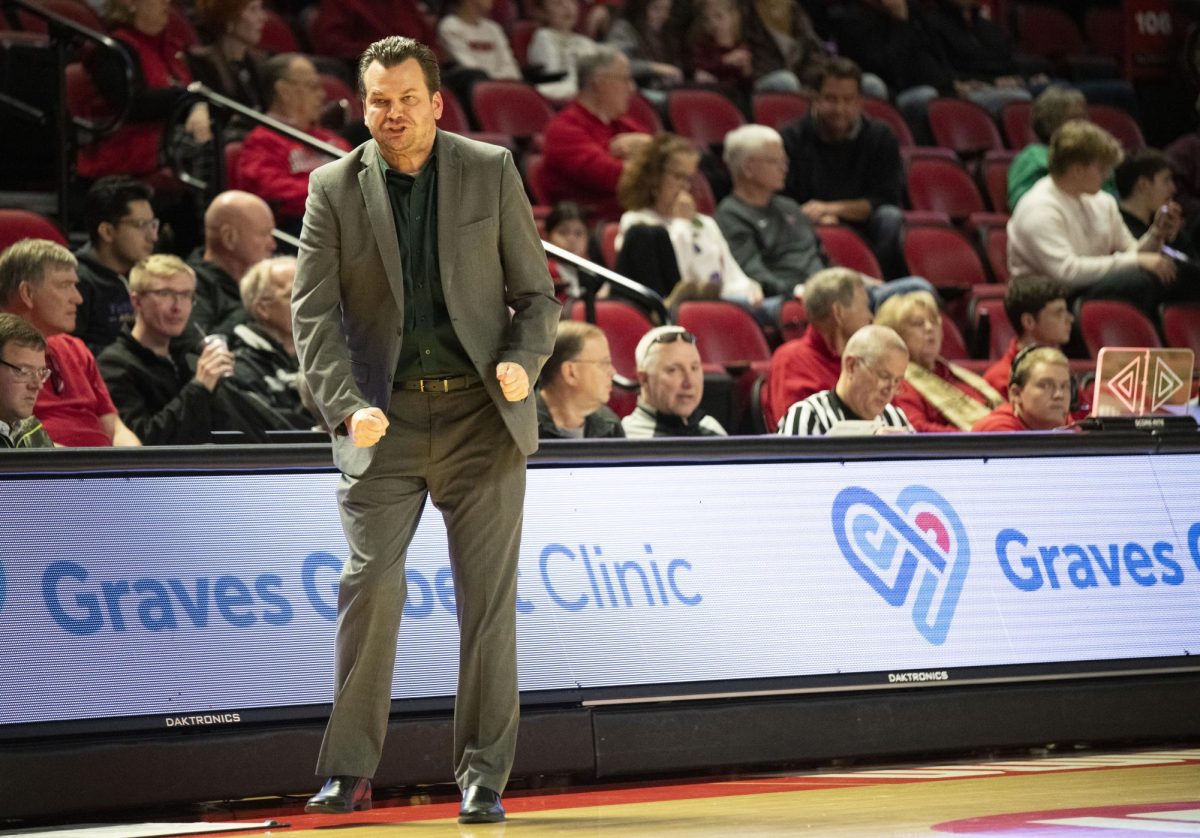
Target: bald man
x=237, y=235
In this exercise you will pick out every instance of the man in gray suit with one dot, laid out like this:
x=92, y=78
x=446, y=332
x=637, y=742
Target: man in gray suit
x=423, y=309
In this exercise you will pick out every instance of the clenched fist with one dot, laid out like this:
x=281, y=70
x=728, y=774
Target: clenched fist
x=366, y=426
x=514, y=382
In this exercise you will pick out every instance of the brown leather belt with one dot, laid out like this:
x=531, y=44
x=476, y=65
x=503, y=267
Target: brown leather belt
x=438, y=385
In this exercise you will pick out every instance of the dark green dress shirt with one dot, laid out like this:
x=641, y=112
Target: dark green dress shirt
x=429, y=347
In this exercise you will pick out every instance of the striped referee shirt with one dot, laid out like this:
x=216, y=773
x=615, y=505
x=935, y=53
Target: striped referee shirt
x=821, y=411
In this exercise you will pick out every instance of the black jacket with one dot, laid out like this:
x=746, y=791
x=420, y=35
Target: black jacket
x=603, y=424
x=106, y=308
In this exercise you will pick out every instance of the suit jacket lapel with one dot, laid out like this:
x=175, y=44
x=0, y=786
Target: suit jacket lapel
x=449, y=184
x=383, y=224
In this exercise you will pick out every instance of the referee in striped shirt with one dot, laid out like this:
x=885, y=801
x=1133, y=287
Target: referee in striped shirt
x=873, y=365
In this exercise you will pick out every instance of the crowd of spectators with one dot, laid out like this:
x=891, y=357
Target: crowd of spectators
x=205, y=335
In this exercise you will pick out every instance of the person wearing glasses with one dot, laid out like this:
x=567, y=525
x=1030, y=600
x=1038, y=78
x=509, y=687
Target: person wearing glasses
x=873, y=364
x=1039, y=395
x=122, y=230
x=672, y=387
x=238, y=232
x=23, y=372
x=936, y=395
x=575, y=384
x=275, y=167
x=38, y=282
x=166, y=395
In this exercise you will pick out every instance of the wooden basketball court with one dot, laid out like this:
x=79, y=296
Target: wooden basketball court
x=1086, y=795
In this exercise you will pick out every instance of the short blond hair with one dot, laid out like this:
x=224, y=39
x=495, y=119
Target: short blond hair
x=157, y=266
x=1027, y=359
x=28, y=261
x=256, y=284
x=895, y=310
x=1080, y=143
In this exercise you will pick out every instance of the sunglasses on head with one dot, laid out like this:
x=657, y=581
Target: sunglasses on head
x=671, y=337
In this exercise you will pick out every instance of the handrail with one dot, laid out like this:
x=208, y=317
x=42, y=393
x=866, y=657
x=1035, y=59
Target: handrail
x=61, y=31
x=597, y=273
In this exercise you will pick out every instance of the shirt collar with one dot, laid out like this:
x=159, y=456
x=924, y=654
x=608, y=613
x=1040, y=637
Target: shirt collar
x=432, y=161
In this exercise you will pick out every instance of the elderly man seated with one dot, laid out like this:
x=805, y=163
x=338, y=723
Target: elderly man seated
x=1039, y=396
x=768, y=233
x=837, y=305
x=575, y=385
x=672, y=385
x=23, y=371
x=873, y=364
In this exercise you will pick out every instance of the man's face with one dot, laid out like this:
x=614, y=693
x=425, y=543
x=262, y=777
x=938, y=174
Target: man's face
x=1092, y=177
x=53, y=301
x=253, y=241
x=1052, y=326
x=1044, y=400
x=1162, y=188
x=767, y=167
x=274, y=309
x=19, y=387
x=614, y=87
x=870, y=386
x=850, y=318
x=300, y=93
x=838, y=107
x=594, y=371
x=674, y=380
x=399, y=111
x=163, y=308
x=132, y=238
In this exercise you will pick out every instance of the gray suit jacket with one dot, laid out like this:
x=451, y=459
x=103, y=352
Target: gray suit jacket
x=348, y=299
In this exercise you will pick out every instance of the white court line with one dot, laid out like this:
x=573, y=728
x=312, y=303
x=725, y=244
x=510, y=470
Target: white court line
x=1176, y=815
x=1127, y=825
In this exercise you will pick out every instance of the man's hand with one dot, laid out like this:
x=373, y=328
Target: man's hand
x=625, y=146
x=214, y=363
x=366, y=426
x=815, y=211
x=1168, y=221
x=514, y=381
x=198, y=123
x=1161, y=266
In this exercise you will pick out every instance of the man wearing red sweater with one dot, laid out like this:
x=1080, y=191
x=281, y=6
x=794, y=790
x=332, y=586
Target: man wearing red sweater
x=837, y=307
x=589, y=142
x=275, y=167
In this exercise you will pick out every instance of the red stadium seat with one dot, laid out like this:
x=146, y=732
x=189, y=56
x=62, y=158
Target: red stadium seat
x=510, y=107
x=1181, y=325
x=454, y=118
x=641, y=111
x=179, y=28
x=848, y=249
x=608, y=243
x=725, y=332
x=1017, y=119
x=953, y=346
x=987, y=313
x=623, y=325
x=533, y=179
x=83, y=98
x=73, y=10
x=17, y=224
x=882, y=110
x=1114, y=323
x=277, y=35
x=337, y=92
x=995, y=247
x=994, y=172
x=944, y=256
x=703, y=116
x=1048, y=31
x=520, y=38
x=778, y=109
x=963, y=126
x=1118, y=123
x=942, y=186
x=1104, y=28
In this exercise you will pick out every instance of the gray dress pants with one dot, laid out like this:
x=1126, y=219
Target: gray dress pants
x=455, y=449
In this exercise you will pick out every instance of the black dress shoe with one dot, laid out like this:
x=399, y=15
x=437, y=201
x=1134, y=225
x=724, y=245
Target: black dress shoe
x=480, y=805
x=340, y=795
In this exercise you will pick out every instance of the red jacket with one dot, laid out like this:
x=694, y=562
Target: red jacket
x=1001, y=419
x=923, y=416
x=997, y=374
x=133, y=149
x=344, y=28
x=798, y=369
x=276, y=168
x=577, y=166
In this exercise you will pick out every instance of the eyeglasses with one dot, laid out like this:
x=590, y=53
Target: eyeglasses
x=146, y=225
x=168, y=294
x=312, y=85
x=671, y=337
x=605, y=363
x=39, y=374
x=885, y=378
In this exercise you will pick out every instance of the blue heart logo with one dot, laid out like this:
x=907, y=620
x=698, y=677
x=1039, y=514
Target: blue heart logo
x=919, y=544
